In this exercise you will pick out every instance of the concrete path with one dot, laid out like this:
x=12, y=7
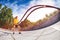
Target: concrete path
x=49, y=33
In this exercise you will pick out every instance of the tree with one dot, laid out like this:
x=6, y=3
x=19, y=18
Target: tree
x=6, y=18
x=0, y=6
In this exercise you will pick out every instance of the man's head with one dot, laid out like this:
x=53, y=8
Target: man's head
x=16, y=17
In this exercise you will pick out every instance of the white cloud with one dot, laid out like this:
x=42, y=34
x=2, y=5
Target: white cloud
x=21, y=9
x=40, y=2
x=57, y=3
x=38, y=14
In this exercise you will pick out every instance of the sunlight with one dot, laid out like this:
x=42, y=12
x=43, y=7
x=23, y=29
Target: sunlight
x=40, y=14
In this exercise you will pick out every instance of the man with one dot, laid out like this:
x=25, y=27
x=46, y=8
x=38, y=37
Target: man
x=15, y=21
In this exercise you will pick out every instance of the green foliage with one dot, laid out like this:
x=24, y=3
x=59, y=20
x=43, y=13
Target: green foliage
x=6, y=17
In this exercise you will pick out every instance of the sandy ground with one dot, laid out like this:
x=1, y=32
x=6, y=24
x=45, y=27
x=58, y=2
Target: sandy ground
x=50, y=33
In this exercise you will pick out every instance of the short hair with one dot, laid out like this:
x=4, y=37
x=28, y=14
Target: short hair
x=16, y=17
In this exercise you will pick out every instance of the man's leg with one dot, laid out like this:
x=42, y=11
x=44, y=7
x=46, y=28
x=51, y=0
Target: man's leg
x=13, y=29
x=19, y=29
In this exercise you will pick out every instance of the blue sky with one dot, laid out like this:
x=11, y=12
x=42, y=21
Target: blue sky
x=19, y=7
x=18, y=2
